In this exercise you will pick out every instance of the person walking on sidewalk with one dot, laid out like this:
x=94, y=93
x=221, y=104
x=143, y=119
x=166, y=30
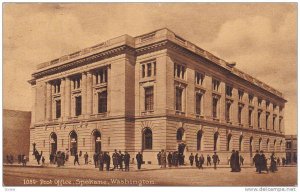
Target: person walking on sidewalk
x=139, y=159
x=126, y=161
x=95, y=158
x=76, y=159
x=86, y=158
x=101, y=161
x=216, y=159
x=208, y=160
x=191, y=158
x=201, y=161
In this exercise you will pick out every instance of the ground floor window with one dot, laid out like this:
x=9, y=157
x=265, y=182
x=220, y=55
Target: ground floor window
x=147, y=139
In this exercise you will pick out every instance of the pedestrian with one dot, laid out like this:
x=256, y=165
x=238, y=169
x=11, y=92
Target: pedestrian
x=256, y=159
x=86, y=158
x=24, y=160
x=120, y=160
x=158, y=156
x=80, y=153
x=95, y=158
x=126, y=160
x=237, y=161
x=163, y=159
x=191, y=158
x=170, y=159
x=139, y=159
x=115, y=158
x=76, y=159
x=201, y=161
x=262, y=163
x=241, y=160
x=43, y=160
x=232, y=161
x=107, y=161
x=197, y=160
x=101, y=161
x=278, y=161
x=175, y=159
x=208, y=160
x=216, y=159
x=67, y=155
x=273, y=166
x=58, y=159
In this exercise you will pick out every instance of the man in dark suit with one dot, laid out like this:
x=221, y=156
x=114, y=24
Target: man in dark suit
x=101, y=161
x=120, y=160
x=191, y=158
x=126, y=161
x=139, y=159
x=216, y=159
x=115, y=158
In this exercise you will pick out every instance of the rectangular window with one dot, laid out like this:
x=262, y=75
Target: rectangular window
x=280, y=124
x=227, y=111
x=240, y=114
x=250, y=99
x=149, y=70
x=149, y=100
x=76, y=82
x=78, y=105
x=199, y=77
x=267, y=104
x=198, y=103
x=241, y=94
x=102, y=102
x=101, y=76
x=179, y=71
x=228, y=91
x=143, y=71
x=274, y=119
x=179, y=99
x=267, y=119
x=258, y=118
x=274, y=107
x=215, y=107
x=215, y=84
x=250, y=117
x=259, y=102
x=58, y=108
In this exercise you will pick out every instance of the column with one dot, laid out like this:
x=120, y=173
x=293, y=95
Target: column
x=89, y=93
x=48, y=101
x=62, y=97
x=207, y=99
x=234, y=107
x=67, y=96
x=83, y=93
x=33, y=105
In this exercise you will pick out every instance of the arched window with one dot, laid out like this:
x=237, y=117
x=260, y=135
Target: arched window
x=96, y=141
x=199, y=140
x=73, y=142
x=241, y=143
x=229, y=144
x=216, y=141
x=147, y=139
x=180, y=134
x=53, y=143
x=259, y=144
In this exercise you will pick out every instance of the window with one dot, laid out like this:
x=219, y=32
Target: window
x=216, y=141
x=179, y=134
x=240, y=114
x=149, y=69
x=288, y=144
x=149, y=99
x=78, y=105
x=274, y=107
x=179, y=71
x=101, y=76
x=147, y=138
x=215, y=84
x=259, y=102
x=56, y=86
x=198, y=103
x=102, y=102
x=76, y=82
x=199, y=77
x=267, y=104
x=228, y=146
x=258, y=118
x=228, y=91
x=241, y=94
x=199, y=140
x=267, y=119
x=241, y=143
x=227, y=111
x=58, y=108
x=280, y=119
x=179, y=99
x=215, y=107
x=250, y=99
x=273, y=124
x=250, y=117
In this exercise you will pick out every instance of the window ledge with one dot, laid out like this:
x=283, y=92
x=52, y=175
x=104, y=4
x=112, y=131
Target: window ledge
x=179, y=113
x=147, y=112
x=199, y=116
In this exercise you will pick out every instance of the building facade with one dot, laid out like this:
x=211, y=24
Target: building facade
x=151, y=92
x=291, y=149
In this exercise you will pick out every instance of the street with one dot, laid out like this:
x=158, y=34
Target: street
x=52, y=176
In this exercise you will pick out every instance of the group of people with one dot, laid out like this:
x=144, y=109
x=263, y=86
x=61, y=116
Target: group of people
x=200, y=160
x=261, y=162
x=21, y=159
x=173, y=159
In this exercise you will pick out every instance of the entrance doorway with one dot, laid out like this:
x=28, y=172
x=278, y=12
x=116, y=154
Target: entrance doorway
x=53, y=143
x=73, y=142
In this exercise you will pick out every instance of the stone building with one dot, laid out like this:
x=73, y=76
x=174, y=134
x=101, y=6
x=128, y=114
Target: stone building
x=291, y=149
x=153, y=92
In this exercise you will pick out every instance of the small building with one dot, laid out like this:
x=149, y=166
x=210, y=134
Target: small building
x=291, y=149
x=16, y=126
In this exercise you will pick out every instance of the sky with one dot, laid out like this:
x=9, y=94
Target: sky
x=260, y=37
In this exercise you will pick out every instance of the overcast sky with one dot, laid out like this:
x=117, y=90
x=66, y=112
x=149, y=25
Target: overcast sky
x=260, y=37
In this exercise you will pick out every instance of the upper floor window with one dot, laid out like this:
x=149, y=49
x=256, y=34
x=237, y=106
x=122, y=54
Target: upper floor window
x=258, y=118
x=241, y=94
x=179, y=92
x=179, y=71
x=267, y=119
x=259, y=101
x=199, y=77
x=273, y=124
x=58, y=108
x=198, y=103
x=240, y=109
x=274, y=107
x=56, y=86
x=251, y=99
x=280, y=120
x=250, y=117
x=215, y=107
x=280, y=109
x=78, y=105
x=149, y=100
x=102, y=102
x=215, y=84
x=267, y=104
x=76, y=82
x=227, y=111
x=149, y=69
x=288, y=145
x=101, y=76
x=228, y=91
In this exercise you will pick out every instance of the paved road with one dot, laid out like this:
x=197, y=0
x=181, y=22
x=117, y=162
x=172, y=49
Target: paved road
x=16, y=176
